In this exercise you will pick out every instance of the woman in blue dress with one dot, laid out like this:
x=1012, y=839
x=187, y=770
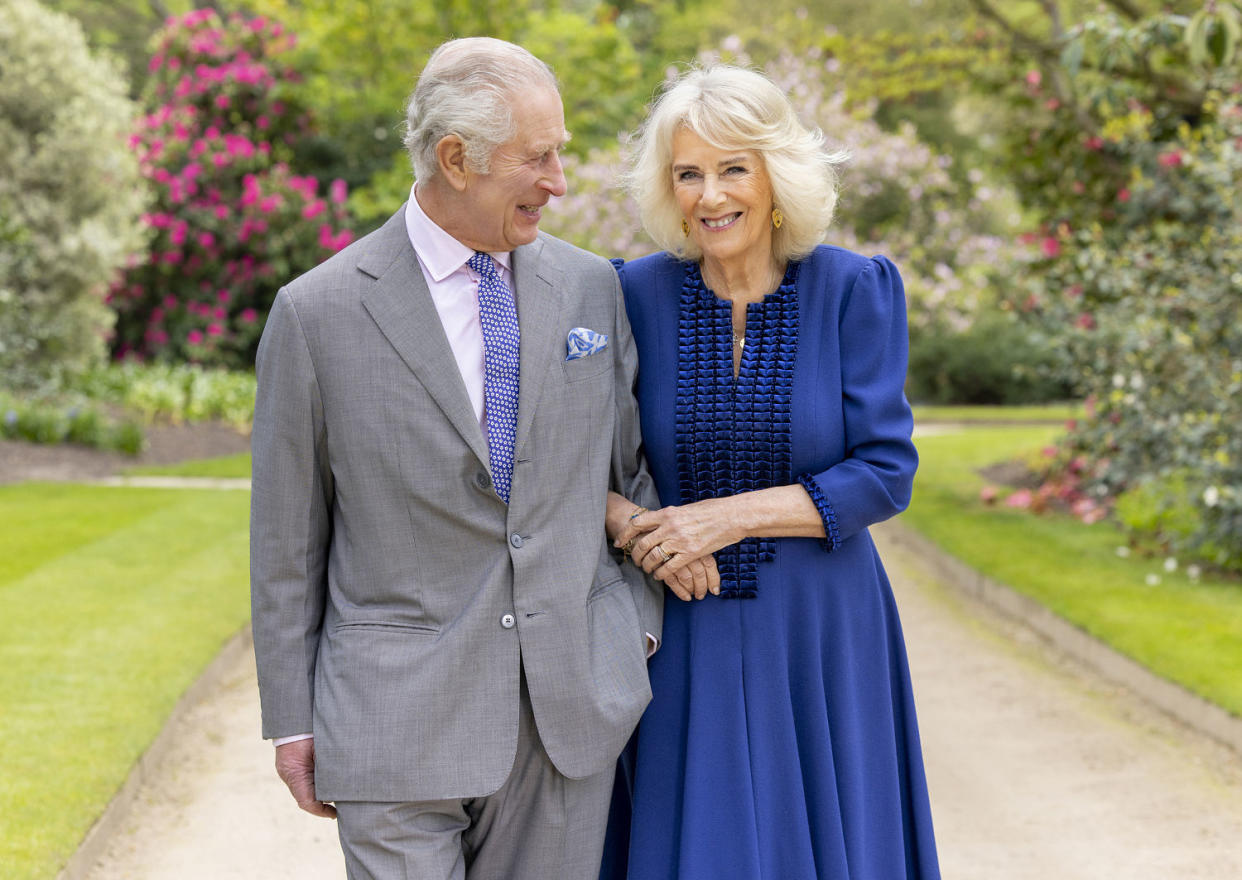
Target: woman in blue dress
x=781, y=742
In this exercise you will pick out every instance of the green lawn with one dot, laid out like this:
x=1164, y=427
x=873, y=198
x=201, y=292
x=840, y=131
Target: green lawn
x=1057, y=413
x=225, y=466
x=1188, y=632
x=112, y=601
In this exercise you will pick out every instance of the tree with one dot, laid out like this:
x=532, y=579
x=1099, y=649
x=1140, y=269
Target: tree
x=70, y=195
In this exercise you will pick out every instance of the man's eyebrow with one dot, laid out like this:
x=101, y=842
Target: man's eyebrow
x=543, y=146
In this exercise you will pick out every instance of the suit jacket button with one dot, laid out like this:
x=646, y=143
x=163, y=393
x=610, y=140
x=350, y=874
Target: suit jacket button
x=515, y=539
x=508, y=621
x=482, y=480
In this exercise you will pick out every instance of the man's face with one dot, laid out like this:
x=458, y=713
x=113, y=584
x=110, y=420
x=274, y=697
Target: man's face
x=507, y=202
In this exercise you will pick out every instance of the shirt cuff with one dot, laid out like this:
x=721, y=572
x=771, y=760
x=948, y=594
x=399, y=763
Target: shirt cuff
x=653, y=644
x=284, y=740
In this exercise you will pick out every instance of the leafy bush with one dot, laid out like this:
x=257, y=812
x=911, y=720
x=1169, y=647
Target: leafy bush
x=1131, y=151
x=232, y=221
x=175, y=393
x=67, y=420
x=994, y=360
x=70, y=195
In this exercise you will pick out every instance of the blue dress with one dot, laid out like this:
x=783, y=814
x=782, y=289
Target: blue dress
x=781, y=742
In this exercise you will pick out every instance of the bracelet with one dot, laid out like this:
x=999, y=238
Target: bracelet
x=639, y=512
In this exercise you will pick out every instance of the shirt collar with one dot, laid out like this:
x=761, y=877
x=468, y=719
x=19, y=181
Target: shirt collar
x=440, y=253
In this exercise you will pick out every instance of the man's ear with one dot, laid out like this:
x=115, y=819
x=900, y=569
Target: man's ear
x=451, y=159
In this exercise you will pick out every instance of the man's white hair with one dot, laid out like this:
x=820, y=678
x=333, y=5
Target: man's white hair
x=468, y=88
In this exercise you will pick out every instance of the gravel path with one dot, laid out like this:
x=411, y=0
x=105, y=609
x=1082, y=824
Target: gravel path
x=1036, y=769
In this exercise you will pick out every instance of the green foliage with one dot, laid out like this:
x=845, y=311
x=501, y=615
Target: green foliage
x=123, y=28
x=67, y=419
x=175, y=393
x=1131, y=155
x=70, y=195
x=112, y=601
x=994, y=360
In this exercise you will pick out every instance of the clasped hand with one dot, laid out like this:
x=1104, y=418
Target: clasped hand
x=675, y=545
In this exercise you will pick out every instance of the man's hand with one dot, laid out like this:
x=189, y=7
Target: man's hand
x=295, y=764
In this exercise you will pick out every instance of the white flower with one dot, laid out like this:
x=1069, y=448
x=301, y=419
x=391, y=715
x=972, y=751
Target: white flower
x=1193, y=572
x=1123, y=552
x=1211, y=496
x=1153, y=580
x=1136, y=381
x=1170, y=565
x=1119, y=381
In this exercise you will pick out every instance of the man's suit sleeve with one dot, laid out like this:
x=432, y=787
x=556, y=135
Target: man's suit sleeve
x=629, y=469
x=290, y=522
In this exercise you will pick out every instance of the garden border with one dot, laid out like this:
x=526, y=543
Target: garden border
x=1183, y=705
x=96, y=841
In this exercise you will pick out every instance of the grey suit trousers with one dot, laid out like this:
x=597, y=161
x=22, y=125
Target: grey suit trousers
x=540, y=825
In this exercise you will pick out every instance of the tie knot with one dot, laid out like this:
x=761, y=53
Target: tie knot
x=483, y=264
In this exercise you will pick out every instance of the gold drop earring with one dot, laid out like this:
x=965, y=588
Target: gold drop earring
x=777, y=218
x=685, y=227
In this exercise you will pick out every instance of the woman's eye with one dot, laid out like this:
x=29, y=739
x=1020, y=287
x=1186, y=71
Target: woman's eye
x=735, y=169
x=687, y=175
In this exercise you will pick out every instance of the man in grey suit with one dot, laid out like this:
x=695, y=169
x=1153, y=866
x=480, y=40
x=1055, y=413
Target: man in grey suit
x=447, y=649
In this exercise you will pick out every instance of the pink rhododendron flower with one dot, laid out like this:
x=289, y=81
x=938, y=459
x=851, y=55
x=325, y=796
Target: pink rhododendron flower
x=337, y=191
x=1085, y=321
x=988, y=494
x=1094, y=142
x=194, y=337
x=311, y=210
x=1123, y=195
x=1050, y=246
x=1034, y=78
x=1171, y=159
x=249, y=316
x=1019, y=499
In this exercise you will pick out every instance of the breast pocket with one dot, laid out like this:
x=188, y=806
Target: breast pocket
x=587, y=367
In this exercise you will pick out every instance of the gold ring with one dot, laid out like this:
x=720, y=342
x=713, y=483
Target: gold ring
x=664, y=553
x=639, y=512
x=629, y=547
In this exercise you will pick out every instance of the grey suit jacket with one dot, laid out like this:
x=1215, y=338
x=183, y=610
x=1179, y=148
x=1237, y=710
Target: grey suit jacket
x=382, y=560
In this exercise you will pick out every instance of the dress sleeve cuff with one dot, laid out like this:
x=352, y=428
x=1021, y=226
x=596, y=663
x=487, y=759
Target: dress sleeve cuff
x=832, y=535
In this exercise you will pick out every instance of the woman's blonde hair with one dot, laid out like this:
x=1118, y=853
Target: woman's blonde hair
x=736, y=109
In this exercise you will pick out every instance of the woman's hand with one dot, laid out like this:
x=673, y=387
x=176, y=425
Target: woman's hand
x=667, y=540
x=694, y=580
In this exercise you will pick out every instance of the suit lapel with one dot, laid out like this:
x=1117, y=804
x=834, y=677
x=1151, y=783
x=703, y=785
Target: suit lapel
x=401, y=306
x=539, y=297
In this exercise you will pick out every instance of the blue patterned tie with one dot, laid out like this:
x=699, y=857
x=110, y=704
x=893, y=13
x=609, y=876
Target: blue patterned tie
x=498, y=317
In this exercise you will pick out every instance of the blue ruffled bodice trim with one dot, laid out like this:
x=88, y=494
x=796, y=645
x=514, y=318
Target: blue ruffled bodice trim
x=733, y=433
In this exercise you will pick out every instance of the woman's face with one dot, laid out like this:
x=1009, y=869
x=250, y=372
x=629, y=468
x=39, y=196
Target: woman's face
x=725, y=197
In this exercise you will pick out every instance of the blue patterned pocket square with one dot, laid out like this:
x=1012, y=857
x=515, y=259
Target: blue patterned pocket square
x=583, y=343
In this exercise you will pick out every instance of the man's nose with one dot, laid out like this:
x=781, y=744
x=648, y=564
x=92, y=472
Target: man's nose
x=554, y=182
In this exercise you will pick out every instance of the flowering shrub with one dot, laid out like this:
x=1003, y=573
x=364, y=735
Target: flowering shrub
x=232, y=220
x=70, y=196
x=1136, y=272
